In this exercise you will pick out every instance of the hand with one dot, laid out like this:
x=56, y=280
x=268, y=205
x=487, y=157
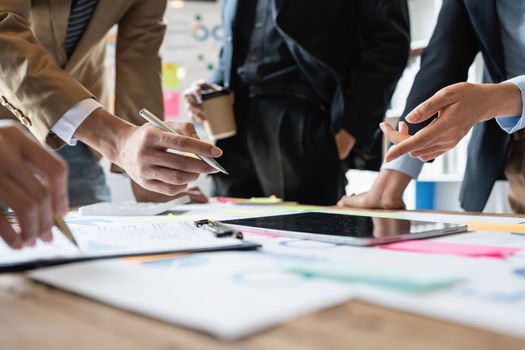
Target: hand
x=143, y=195
x=143, y=151
x=148, y=164
x=193, y=97
x=459, y=108
x=33, y=183
x=345, y=143
x=386, y=193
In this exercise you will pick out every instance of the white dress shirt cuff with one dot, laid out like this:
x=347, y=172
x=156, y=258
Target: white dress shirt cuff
x=66, y=126
x=406, y=165
x=516, y=123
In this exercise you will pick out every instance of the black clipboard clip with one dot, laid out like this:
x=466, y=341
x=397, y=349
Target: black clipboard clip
x=218, y=229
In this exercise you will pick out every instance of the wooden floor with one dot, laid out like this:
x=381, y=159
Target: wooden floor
x=34, y=316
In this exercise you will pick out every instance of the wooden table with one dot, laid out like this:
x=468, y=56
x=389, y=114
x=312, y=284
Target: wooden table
x=34, y=316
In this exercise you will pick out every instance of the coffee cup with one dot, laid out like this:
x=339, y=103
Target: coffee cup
x=219, y=118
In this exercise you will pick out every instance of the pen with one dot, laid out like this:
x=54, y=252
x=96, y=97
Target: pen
x=153, y=119
x=62, y=226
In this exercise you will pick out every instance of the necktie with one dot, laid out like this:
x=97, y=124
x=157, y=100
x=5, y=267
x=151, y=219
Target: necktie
x=81, y=11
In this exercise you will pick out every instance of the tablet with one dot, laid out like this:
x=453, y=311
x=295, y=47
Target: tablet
x=346, y=229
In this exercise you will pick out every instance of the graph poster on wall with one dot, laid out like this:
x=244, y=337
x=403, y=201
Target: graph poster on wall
x=190, y=50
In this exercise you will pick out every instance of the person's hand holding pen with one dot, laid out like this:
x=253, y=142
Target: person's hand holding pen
x=33, y=183
x=142, y=151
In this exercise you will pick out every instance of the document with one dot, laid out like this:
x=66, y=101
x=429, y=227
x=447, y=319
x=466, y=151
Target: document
x=232, y=295
x=109, y=238
x=228, y=295
x=493, y=302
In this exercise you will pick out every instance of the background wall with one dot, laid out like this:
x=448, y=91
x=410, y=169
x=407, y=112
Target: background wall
x=190, y=53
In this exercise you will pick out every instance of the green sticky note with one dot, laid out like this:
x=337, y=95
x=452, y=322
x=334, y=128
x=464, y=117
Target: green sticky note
x=401, y=280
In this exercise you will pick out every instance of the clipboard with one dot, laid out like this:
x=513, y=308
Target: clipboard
x=154, y=239
x=36, y=264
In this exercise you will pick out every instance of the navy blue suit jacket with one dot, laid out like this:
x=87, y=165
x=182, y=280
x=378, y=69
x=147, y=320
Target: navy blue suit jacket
x=465, y=28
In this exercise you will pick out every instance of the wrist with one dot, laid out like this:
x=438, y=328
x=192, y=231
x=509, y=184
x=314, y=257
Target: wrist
x=391, y=185
x=104, y=132
x=502, y=100
x=511, y=100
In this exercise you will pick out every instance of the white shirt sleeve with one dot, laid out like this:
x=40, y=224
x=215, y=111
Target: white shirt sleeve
x=66, y=126
x=516, y=123
x=405, y=164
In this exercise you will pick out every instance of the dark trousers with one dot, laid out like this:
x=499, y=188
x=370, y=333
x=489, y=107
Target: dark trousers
x=86, y=182
x=283, y=147
x=515, y=172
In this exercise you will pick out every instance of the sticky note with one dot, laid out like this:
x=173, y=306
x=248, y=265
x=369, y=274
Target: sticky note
x=402, y=279
x=469, y=250
x=496, y=226
x=170, y=77
x=172, y=104
x=265, y=200
x=253, y=200
x=261, y=233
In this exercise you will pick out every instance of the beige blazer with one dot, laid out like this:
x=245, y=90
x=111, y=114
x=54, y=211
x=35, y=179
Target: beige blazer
x=39, y=84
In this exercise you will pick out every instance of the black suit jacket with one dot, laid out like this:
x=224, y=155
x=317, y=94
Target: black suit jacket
x=352, y=51
x=464, y=28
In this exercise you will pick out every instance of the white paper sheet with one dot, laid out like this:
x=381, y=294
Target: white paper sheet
x=60, y=248
x=491, y=301
x=231, y=295
x=104, y=237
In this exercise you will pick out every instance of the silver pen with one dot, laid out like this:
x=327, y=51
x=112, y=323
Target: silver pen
x=153, y=119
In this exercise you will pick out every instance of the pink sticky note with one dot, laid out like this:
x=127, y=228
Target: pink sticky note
x=261, y=233
x=469, y=250
x=172, y=104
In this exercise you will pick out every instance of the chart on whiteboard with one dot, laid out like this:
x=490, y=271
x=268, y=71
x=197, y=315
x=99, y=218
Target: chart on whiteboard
x=189, y=52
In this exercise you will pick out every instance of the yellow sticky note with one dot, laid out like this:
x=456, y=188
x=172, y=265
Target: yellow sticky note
x=496, y=226
x=170, y=77
x=265, y=200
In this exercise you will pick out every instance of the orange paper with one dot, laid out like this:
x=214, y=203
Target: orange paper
x=496, y=226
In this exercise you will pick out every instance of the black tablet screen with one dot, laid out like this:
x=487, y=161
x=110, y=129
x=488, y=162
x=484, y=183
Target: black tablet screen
x=339, y=224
